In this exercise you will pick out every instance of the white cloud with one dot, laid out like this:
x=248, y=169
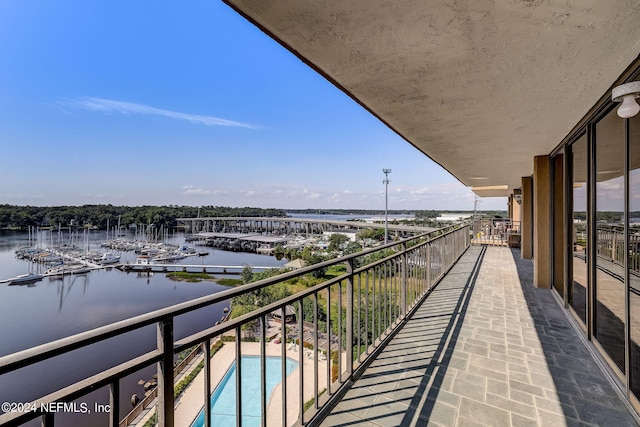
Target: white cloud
x=121, y=107
x=190, y=190
x=311, y=194
x=438, y=196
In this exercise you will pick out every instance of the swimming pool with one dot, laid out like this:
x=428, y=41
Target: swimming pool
x=223, y=399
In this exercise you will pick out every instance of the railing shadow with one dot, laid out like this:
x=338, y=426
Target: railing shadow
x=434, y=378
x=420, y=353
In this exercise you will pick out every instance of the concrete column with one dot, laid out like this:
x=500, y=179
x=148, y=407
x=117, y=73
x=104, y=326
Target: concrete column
x=516, y=210
x=527, y=218
x=542, y=221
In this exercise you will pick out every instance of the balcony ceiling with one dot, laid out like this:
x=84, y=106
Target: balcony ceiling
x=479, y=86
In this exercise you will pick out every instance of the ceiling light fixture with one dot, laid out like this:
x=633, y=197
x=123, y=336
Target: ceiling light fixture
x=627, y=93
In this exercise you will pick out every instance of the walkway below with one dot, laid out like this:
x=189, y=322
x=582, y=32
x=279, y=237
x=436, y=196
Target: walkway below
x=485, y=349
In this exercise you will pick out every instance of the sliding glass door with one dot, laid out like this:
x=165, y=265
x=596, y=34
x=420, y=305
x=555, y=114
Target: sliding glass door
x=609, y=284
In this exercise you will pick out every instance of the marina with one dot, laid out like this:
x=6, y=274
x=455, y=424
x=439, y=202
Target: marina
x=94, y=279
x=147, y=249
x=94, y=296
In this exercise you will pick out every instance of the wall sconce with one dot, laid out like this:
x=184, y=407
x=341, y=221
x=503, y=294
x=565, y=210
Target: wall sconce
x=518, y=198
x=627, y=93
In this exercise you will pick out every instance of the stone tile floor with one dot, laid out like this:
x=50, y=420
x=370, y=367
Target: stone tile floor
x=485, y=349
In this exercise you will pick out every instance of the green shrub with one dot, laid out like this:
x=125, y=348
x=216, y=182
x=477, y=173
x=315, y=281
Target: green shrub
x=230, y=282
x=189, y=277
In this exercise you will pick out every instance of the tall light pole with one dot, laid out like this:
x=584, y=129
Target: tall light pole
x=386, y=204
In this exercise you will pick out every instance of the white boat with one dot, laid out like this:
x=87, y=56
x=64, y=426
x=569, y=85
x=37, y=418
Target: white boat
x=57, y=271
x=108, y=258
x=143, y=260
x=22, y=278
x=187, y=250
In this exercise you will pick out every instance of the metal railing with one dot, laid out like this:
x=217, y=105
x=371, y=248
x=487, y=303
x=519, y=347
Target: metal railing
x=339, y=325
x=496, y=231
x=610, y=243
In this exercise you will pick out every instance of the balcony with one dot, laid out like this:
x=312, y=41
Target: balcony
x=486, y=348
x=425, y=330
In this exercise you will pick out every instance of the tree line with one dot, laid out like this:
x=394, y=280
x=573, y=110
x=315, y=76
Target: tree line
x=98, y=216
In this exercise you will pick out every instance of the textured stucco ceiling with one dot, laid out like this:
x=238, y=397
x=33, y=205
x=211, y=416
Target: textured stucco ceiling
x=479, y=86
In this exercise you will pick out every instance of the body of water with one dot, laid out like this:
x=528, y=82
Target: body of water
x=47, y=310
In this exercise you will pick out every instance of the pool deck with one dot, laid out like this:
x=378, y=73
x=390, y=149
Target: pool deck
x=191, y=402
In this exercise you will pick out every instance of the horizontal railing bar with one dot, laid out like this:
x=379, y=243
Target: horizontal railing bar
x=24, y=358
x=214, y=331
x=83, y=387
x=48, y=350
x=231, y=324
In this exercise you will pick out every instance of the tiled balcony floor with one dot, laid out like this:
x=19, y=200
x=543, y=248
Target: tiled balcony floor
x=485, y=349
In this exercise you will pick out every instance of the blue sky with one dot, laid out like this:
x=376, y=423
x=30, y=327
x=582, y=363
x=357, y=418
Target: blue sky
x=186, y=103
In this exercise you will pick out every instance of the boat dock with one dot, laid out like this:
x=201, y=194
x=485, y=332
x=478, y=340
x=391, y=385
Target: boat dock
x=188, y=268
x=68, y=257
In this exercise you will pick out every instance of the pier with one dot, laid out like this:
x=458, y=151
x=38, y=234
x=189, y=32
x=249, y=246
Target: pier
x=188, y=268
x=67, y=257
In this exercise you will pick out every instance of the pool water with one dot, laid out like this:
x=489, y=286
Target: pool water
x=223, y=399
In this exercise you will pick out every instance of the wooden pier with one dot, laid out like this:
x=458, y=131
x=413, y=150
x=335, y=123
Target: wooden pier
x=188, y=268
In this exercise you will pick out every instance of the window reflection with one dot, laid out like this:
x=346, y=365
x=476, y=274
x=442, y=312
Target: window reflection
x=578, y=294
x=609, y=278
x=634, y=253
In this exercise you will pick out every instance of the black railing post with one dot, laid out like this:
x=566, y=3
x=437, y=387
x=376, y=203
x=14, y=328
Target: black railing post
x=403, y=284
x=114, y=404
x=301, y=352
x=263, y=371
x=207, y=382
x=239, y=375
x=165, y=373
x=349, y=321
x=47, y=420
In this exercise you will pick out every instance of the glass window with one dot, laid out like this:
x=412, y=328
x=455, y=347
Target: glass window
x=578, y=290
x=609, y=310
x=634, y=253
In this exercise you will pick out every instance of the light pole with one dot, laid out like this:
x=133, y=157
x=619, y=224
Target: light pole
x=386, y=204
